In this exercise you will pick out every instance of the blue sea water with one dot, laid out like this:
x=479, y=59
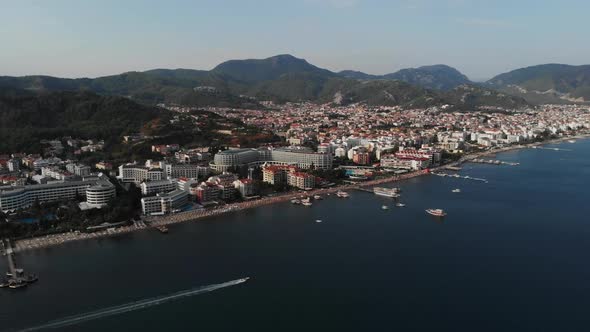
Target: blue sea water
x=512, y=255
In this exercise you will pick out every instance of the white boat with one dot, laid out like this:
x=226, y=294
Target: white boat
x=306, y=202
x=342, y=194
x=436, y=212
x=296, y=201
x=571, y=141
x=317, y=197
x=456, y=190
x=385, y=207
x=400, y=204
x=318, y=220
x=387, y=192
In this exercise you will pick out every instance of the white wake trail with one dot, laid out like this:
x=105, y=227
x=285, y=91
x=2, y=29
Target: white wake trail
x=116, y=310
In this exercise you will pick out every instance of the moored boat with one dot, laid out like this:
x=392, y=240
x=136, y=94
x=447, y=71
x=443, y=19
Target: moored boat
x=342, y=194
x=387, y=192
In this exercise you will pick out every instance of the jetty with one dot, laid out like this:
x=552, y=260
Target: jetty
x=466, y=177
x=546, y=148
x=15, y=277
x=492, y=162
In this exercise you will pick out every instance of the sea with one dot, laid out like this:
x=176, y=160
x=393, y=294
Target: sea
x=513, y=254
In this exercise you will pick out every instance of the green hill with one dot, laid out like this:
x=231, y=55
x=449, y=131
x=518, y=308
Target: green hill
x=27, y=117
x=547, y=83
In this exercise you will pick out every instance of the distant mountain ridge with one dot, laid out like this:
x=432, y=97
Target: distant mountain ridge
x=281, y=78
x=546, y=83
x=436, y=77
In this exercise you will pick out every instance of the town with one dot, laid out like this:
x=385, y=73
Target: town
x=312, y=146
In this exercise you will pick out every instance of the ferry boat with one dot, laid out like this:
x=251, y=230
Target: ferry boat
x=387, y=192
x=436, y=212
x=456, y=190
x=342, y=194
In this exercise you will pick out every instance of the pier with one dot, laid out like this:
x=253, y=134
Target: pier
x=466, y=177
x=546, y=148
x=492, y=162
x=16, y=277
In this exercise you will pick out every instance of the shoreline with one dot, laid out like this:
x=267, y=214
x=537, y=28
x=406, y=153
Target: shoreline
x=47, y=241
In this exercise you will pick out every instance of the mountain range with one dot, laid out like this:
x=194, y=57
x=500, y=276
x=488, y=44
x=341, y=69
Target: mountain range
x=283, y=78
x=547, y=83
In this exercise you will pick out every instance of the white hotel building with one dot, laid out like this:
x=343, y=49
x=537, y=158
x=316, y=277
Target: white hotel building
x=289, y=156
x=98, y=193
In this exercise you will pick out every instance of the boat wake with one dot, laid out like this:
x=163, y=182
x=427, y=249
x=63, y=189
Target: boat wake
x=133, y=306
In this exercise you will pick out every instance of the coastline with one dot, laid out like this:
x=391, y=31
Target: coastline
x=195, y=215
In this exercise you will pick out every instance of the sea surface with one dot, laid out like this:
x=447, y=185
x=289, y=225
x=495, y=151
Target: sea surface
x=512, y=255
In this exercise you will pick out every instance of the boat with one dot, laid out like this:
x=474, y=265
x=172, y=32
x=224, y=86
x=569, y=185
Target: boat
x=571, y=141
x=318, y=220
x=342, y=194
x=385, y=207
x=387, y=192
x=400, y=204
x=436, y=212
x=306, y=202
x=296, y=201
x=456, y=190
x=17, y=283
x=317, y=197
x=162, y=229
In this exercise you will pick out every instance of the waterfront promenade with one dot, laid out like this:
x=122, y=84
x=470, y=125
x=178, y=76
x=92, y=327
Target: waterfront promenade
x=194, y=215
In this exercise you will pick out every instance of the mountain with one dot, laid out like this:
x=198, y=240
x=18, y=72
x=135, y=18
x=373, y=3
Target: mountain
x=281, y=78
x=26, y=117
x=547, y=83
x=359, y=75
x=437, y=77
x=259, y=70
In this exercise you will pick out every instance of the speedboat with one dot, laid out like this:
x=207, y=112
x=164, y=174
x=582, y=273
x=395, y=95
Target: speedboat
x=318, y=220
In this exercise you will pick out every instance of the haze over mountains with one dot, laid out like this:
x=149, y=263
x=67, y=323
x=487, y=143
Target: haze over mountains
x=282, y=78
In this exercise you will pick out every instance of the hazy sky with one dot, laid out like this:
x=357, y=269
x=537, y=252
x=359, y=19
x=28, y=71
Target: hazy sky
x=481, y=38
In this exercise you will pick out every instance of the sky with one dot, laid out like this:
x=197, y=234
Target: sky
x=481, y=38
